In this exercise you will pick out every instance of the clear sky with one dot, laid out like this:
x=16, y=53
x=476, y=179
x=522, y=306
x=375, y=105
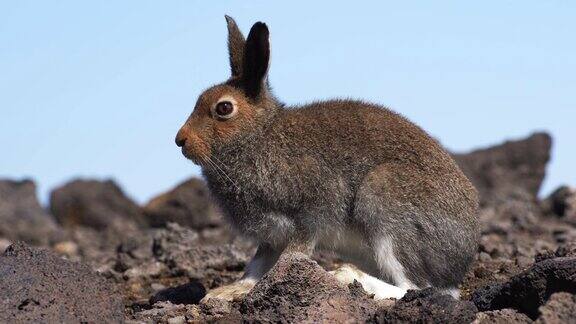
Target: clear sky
x=100, y=88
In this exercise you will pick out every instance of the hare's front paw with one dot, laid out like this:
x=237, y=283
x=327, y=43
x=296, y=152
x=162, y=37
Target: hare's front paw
x=232, y=292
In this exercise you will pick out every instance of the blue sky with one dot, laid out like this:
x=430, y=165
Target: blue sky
x=100, y=88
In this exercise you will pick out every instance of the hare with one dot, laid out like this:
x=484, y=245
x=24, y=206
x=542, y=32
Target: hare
x=349, y=176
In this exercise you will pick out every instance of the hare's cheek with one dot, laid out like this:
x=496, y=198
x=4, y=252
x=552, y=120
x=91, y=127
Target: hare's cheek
x=198, y=147
x=227, y=132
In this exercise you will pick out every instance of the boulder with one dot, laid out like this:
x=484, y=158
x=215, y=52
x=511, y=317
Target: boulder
x=39, y=286
x=22, y=217
x=297, y=289
x=507, y=170
x=188, y=204
x=95, y=204
x=427, y=306
x=530, y=289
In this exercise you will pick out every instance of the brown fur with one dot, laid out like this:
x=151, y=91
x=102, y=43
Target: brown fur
x=332, y=173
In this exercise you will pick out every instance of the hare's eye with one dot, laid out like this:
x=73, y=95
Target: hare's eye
x=225, y=110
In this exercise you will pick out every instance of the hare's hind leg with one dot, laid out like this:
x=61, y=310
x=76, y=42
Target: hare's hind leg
x=416, y=239
x=347, y=273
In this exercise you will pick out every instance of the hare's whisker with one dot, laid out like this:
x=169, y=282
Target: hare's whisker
x=223, y=172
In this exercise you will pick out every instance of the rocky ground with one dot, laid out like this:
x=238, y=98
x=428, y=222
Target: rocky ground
x=96, y=256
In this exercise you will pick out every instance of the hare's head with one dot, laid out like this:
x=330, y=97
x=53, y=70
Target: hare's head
x=229, y=112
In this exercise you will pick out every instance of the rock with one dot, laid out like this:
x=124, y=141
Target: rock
x=507, y=170
x=189, y=204
x=177, y=320
x=560, y=308
x=297, y=289
x=21, y=216
x=133, y=252
x=214, y=265
x=564, y=250
x=562, y=203
x=427, y=306
x=530, y=289
x=39, y=286
x=162, y=312
x=151, y=269
x=190, y=293
x=218, y=310
x=95, y=204
x=503, y=316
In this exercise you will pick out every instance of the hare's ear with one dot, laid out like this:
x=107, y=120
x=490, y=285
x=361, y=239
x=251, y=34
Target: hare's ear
x=236, y=44
x=256, y=59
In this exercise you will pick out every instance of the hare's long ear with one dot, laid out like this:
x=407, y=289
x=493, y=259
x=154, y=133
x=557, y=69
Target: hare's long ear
x=256, y=60
x=236, y=43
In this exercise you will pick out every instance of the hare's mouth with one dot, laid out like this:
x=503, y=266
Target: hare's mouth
x=189, y=154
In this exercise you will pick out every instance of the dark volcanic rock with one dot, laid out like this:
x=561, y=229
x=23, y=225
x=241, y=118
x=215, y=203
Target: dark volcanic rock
x=428, y=306
x=562, y=203
x=39, y=286
x=22, y=217
x=92, y=203
x=189, y=293
x=189, y=204
x=506, y=170
x=530, y=289
x=297, y=289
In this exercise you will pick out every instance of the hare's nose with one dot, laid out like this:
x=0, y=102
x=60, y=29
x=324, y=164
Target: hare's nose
x=180, y=139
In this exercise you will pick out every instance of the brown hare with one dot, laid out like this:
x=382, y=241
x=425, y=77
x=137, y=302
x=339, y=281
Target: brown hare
x=348, y=176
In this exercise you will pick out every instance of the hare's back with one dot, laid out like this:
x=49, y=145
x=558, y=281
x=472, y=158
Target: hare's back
x=364, y=130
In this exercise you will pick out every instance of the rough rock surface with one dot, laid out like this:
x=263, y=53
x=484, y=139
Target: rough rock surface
x=560, y=308
x=428, y=306
x=95, y=204
x=297, y=289
x=530, y=289
x=562, y=203
x=22, y=217
x=509, y=169
x=188, y=204
x=161, y=271
x=212, y=264
x=502, y=316
x=38, y=286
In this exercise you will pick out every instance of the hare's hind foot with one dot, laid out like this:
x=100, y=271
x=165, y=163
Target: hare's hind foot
x=346, y=274
x=232, y=292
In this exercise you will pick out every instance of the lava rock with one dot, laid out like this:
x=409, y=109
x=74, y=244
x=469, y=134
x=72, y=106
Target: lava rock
x=95, y=204
x=562, y=203
x=297, y=289
x=188, y=204
x=427, y=306
x=560, y=308
x=503, y=316
x=190, y=293
x=213, y=264
x=21, y=216
x=39, y=286
x=530, y=289
x=509, y=169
